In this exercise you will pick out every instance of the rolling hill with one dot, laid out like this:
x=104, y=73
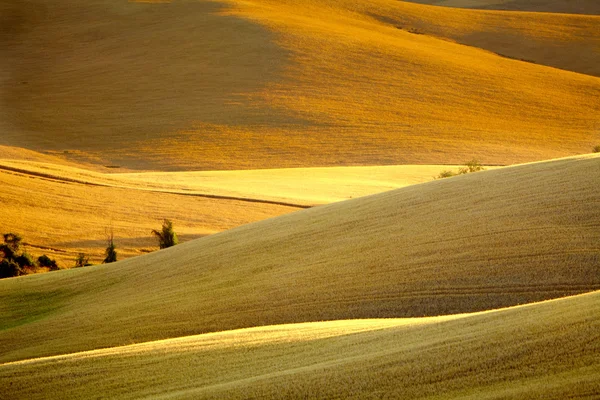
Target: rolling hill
x=244, y=85
x=62, y=210
x=476, y=242
x=547, y=350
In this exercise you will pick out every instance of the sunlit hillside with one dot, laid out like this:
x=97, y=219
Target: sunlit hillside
x=475, y=242
x=547, y=350
x=63, y=210
x=243, y=85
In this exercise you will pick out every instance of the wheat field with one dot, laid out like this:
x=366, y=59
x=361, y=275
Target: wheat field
x=295, y=145
x=471, y=243
x=311, y=83
x=62, y=210
x=545, y=350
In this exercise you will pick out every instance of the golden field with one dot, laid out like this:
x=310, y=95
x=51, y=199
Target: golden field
x=546, y=350
x=471, y=243
x=295, y=145
x=274, y=84
x=62, y=210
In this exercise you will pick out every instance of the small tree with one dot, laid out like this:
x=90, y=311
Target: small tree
x=82, y=260
x=597, y=149
x=110, y=252
x=11, y=245
x=166, y=236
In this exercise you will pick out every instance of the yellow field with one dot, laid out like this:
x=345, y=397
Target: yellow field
x=205, y=85
x=476, y=242
x=62, y=210
x=294, y=144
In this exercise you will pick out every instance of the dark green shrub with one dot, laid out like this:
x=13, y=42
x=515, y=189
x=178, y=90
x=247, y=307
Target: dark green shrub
x=11, y=245
x=110, y=252
x=25, y=260
x=166, y=236
x=12, y=262
x=45, y=261
x=9, y=268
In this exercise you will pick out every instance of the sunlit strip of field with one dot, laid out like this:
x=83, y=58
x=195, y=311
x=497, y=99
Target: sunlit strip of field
x=547, y=350
x=291, y=186
x=62, y=210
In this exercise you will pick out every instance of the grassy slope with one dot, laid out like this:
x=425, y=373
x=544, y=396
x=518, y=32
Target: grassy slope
x=480, y=241
x=241, y=85
x=75, y=206
x=547, y=350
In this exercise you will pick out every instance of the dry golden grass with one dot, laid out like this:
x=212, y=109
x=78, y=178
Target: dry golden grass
x=246, y=85
x=62, y=219
x=475, y=242
x=62, y=210
x=547, y=350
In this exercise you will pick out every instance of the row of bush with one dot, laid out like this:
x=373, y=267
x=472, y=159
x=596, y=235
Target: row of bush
x=16, y=262
x=471, y=166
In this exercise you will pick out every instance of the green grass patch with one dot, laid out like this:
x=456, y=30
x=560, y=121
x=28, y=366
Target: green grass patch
x=25, y=307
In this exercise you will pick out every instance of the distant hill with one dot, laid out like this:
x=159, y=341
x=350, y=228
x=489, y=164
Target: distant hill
x=244, y=85
x=556, y=6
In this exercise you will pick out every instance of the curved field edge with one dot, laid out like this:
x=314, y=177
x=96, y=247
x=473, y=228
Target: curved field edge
x=547, y=349
x=64, y=210
x=295, y=187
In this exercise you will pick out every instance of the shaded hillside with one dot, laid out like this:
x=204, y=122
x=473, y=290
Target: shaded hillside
x=475, y=242
x=548, y=350
x=245, y=85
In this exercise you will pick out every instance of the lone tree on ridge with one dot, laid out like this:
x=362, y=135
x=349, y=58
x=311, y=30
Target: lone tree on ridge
x=166, y=236
x=110, y=252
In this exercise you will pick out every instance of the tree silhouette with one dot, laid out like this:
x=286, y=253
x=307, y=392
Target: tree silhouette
x=166, y=236
x=110, y=252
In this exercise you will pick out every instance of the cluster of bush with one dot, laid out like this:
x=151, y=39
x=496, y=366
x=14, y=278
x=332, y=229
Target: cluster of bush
x=16, y=262
x=471, y=166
